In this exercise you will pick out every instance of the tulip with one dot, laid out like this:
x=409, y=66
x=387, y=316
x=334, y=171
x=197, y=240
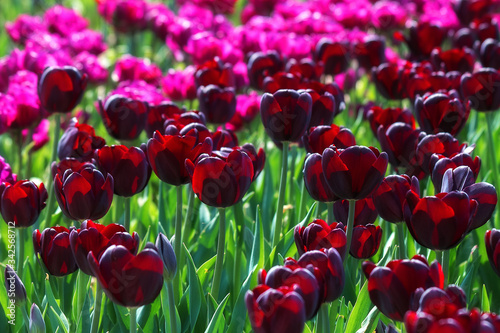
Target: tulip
x=124, y=118
x=489, y=53
x=53, y=247
x=318, y=234
x=370, y=52
x=386, y=117
x=129, y=280
x=391, y=195
x=36, y=323
x=459, y=59
x=79, y=141
x=275, y=310
x=315, y=181
x=128, y=166
x=97, y=238
x=14, y=287
x=258, y=158
x=167, y=254
x=423, y=38
x=224, y=138
x=262, y=64
x=365, y=241
x=439, y=165
x=158, y=114
x=60, y=89
x=364, y=211
x=215, y=72
x=6, y=174
x=492, y=242
x=84, y=194
x=467, y=11
x=387, y=78
x=334, y=56
x=481, y=89
x=22, y=202
x=321, y=137
x=217, y=104
x=391, y=288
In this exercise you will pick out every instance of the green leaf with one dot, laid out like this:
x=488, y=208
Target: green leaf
x=239, y=310
x=214, y=322
x=63, y=322
x=370, y=323
x=360, y=310
x=485, y=302
x=257, y=255
x=195, y=291
x=205, y=272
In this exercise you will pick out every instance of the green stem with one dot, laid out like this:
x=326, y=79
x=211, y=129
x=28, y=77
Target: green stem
x=29, y=162
x=50, y=187
x=61, y=293
x=21, y=234
x=82, y=283
x=161, y=207
x=171, y=306
x=240, y=228
x=446, y=266
x=26, y=318
x=19, y=144
x=491, y=151
x=350, y=225
x=178, y=243
x=219, y=261
x=323, y=320
x=329, y=207
x=302, y=205
x=401, y=239
x=97, y=308
x=439, y=257
x=133, y=320
x=126, y=222
x=291, y=188
x=281, y=198
x=187, y=219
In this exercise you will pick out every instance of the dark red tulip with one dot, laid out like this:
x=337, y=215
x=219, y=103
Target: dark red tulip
x=400, y=141
x=128, y=166
x=304, y=68
x=127, y=279
x=460, y=59
x=21, y=202
x=391, y=195
x=443, y=144
x=492, y=242
x=489, y=54
x=215, y=72
x=364, y=211
x=275, y=310
x=198, y=130
x=54, y=249
x=217, y=104
x=315, y=181
x=468, y=10
x=485, y=27
x=442, y=112
x=286, y=114
x=280, y=80
x=387, y=78
x=370, y=52
x=440, y=165
x=457, y=179
x=439, y=222
x=193, y=118
x=221, y=181
x=167, y=154
x=334, y=56
x=354, y=172
x=378, y=116
x=391, y=288
x=302, y=280
x=482, y=89
x=323, y=108
x=68, y=163
x=262, y=64
x=158, y=114
x=84, y=194
x=486, y=197
x=365, y=241
x=97, y=238
x=321, y=137
x=258, y=158
x=331, y=88
x=224, y=138
x=318, y=234
x=423, y=38
x=464, y=37
x=328, y=270
x=60, y=89
x=79, y=141
x=124, y=118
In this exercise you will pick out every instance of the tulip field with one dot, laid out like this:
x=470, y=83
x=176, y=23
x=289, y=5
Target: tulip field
x=267, y=166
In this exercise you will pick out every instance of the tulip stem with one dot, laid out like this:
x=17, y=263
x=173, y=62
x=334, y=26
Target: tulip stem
x=240, y=227
x=126, y=222
x=133, y=320
x=19, y=147
x=97, y=308
x=26, y=318
x=401, y=239
x=302, y=201
x=21, y=233
x=446, y=266
x=178, y=242
x=161, y=206
x=219, y=261
x=350, y=224
x=329, y=208
x=491, y=148
x=187, y=219
x=50, y=183
x=83, y=280
x=281, y=198
x=62, y=303
x=323, y=320
x=171, y=306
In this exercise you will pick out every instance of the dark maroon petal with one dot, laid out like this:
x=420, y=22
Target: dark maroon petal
x=315, y=181
x=486, y=196
x=60, y=89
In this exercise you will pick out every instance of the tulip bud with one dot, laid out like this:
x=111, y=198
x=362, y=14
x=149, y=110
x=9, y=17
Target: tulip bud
x=167, y=254
x=15, y=287
x=36, y=325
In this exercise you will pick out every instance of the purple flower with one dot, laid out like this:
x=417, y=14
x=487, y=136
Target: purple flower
x=129, y=68
x=179, y=85
x=40, y=135
x=6, y=174
x=64, y=21
x=22, y=28
x=7, y=112
x=88, y=63
x=139, y=90
x=87, y=41
x=23, y=89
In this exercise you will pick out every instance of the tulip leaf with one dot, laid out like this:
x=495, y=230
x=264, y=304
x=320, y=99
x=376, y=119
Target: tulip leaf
x=257, y=255
x=239, y=311
x=61, y=318
x=472, y=266
x=370, y=322
x=485, y=302
x=360, y=310
x=218, y=316
x=205, y=272
x=56, y=314
x=146, y=315
x=195, y=291
x=166, y=312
